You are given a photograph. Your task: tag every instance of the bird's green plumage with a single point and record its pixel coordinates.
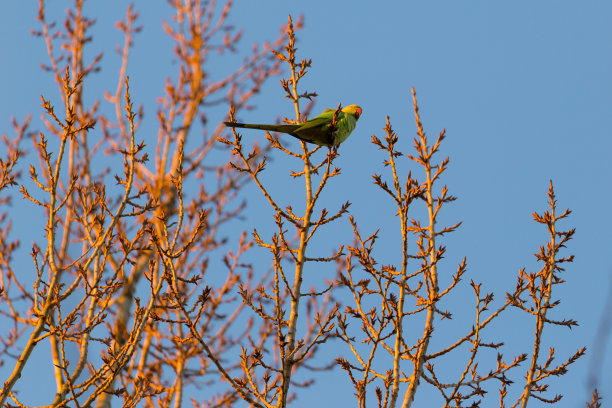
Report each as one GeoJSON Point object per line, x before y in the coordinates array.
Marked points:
{"type": "Point", "coordinates": [318, 130]}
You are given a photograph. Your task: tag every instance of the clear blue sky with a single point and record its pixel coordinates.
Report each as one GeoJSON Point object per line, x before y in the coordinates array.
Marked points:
{"type": "Point", "coordinates": [523, 89]}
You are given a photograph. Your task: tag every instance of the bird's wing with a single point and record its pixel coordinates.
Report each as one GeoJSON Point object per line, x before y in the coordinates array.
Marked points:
{"type": "Point", "coordinates": [323, 119]}
{"type": "Point", "coordinates": [317, 130]}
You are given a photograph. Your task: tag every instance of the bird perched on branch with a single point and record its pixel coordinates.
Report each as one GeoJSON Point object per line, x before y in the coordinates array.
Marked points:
{"type": "Point", "coordinates": [330, 128]}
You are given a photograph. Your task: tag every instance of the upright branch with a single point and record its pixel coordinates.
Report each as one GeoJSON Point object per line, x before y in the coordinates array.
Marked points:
{"type": "Point", "coordinates": [428, 252]}
{"type": "Point", "coordinates": [393, 283]}
{"type": "Point", "coordinates": [294, 348]}
{"type": "Point", "coordinates": [539, 287]}
{"type": "Point", "coordinates": [595, 400]}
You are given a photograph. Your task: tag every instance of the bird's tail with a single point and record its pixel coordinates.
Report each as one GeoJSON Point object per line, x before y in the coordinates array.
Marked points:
{"type": "Point", "coordinates": [272, 128]}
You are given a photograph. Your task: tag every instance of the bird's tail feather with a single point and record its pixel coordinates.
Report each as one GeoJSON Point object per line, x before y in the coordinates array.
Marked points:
{"type": "Point", "coordinates": [272, 128]}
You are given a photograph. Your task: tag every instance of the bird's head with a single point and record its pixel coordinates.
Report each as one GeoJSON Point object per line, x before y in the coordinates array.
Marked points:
{"type": "Point", "coordinates": [354, 110]}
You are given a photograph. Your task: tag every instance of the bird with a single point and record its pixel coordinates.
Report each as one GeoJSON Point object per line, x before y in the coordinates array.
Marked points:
{"type": "Point", "coordinates": [320, 130]}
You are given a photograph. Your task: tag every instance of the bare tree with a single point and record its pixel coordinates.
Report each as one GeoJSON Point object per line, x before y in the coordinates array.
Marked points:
{"type": "Point", "coordinates": [139, 285]}
{"type": "Point", "coordinates": [268, 375]}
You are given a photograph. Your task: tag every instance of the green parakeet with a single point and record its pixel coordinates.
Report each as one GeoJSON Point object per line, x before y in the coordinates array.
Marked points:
{"type": "Point", "coordinates": [318, 130]}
